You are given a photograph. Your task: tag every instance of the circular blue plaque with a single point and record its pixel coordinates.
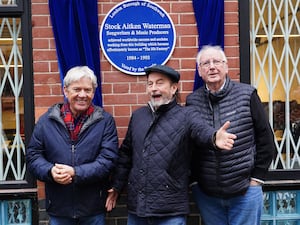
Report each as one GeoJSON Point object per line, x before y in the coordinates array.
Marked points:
{"type": "Point", "coordinates": [137, 34]}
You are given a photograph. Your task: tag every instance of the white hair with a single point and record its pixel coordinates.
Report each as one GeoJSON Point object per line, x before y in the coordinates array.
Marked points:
{"type": "Point", "coordinates": [78, 72]}
{"type": "Point", "coordinates": [208, 47]}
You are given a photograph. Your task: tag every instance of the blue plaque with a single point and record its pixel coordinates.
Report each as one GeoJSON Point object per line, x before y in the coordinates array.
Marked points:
{"type": "Point", "coordinates": [137, 34]}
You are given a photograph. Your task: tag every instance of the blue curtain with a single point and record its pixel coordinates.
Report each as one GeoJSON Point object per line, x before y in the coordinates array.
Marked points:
{"type": "Point", "coordinates": [209, 16]}
{"type": "Point", "coordinates": [75, 28]}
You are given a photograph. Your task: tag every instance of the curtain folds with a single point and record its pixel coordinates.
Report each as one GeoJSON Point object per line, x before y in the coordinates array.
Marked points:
{"type": "Point", "coordinates": [75, 28]}
{"type": "Point", "coordinates": [209, 16]}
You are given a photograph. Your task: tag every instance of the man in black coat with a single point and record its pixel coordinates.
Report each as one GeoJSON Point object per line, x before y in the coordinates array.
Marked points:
{"type": "Point", "coordinates": [155, 154]}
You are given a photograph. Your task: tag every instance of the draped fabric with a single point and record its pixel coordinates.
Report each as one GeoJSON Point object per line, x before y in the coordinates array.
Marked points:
{"type": "Point", "coordinates": [209, 16]}
{"type": "Point", "coordinates": [75, 28]}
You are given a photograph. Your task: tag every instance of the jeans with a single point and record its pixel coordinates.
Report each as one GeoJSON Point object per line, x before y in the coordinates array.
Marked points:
{"type": "Point", "coordinates": [165, 220]}
{"type": "Point", "coordinates": [241, 210]}
{"type": "Point", "coordinates": [89, 220]}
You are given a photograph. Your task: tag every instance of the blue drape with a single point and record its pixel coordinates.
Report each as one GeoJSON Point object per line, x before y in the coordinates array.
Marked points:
{"type": "Point", "coordinates": [209, 16]}
{"type": "Point", "coordinates": [75, 28]}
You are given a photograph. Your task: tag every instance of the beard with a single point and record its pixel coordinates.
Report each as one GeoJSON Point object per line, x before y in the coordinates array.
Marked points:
{"type": "Point", "coordinates": [161, 101]}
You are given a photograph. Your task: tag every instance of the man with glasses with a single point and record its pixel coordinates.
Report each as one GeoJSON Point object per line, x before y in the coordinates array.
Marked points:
{"type": "Point", "coordinates": [227, 185]}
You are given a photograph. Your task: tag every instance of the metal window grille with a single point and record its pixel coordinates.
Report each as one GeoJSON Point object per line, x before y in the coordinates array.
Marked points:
{"type": "Point", "coordinates": [275, 42]}
{"type": "Point", "coordinates": [12, 151]}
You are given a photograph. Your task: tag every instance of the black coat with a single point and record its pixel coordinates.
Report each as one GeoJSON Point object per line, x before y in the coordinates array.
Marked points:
{"type": "Point", "coordinates": [155, 159]}
{"type": "Point", "coordinates": [227, 173]}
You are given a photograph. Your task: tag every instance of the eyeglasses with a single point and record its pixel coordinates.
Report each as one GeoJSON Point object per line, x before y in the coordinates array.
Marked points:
{"type": "Point", "coordinates": [215, 62]}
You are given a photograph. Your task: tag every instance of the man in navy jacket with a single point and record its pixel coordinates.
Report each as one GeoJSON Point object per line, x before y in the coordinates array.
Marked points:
{"type": "Point", "coordinates": [73, 150]}
{"type": "Point", "coordinates": [155, 154]}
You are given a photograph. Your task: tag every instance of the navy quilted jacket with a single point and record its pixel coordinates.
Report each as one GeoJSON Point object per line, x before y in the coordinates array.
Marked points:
{"type": "Point", "coordinates": [93, 156]}
{"type": "Point", "coordinates": [155, 159]}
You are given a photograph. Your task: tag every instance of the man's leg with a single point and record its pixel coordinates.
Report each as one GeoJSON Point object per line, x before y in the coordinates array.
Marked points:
{"type": "Point", "coordinates": [167, 220]}
{"type": "Point", "coordinates": [93, 220]}
{"type": "Point", "coordinates": [213, 211]}
{"type": "Point", "coordinates": [247, 209]}
{"type": "Point", "coordinates": [170, 220]}
{"type": "Point", "coordinates": [56, 220]}
{"type": "Point", "coordinates": [135, 220]}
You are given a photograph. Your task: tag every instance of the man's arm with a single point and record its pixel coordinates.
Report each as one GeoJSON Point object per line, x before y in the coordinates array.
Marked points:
{"type": "Point", "coordinates": [202, 133]}
{"type": "Point", "coordinates": [264, 138]}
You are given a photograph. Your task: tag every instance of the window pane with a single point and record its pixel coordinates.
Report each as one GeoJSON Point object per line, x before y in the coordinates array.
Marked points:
{"type": "Point", "coordinates": [17, 211]}
{"type": "Point", "coordinates": [281, 207]}
{"type": "Point", "coordinates": [275, 55]}
{"type": "Point", "coordinates": [12, 164]}
{"type": "Point", "coordinates": [7, 2]}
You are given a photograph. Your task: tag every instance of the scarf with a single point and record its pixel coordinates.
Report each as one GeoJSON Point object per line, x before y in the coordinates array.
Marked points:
{"type": "Point", "coordinates": [74, 125]}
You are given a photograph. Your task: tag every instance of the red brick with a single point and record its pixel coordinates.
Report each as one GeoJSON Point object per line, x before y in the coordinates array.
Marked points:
{"type": "Point", "coordinates": [44, 55]}
{"type": "Point", "coordinates": [120, 99]}
{"type": "Point", "coordinates": [231, 6]}
{"type": "Point", "coordinates": [121, 88]}
{"type": "Point", "coordinates": [122, 121]}
{"type": "Point", "coordinates": [40, 90]}
{"type": "Point", "coordinates": [182, 7]}
{"type": "Point", "coordinates": [41, 66]}
{"type": "Point", "coordinates": [187, 19]}
{"type": "Point", "coordinates": [42, 32]}
{"type": "Point", "coordinates": [40, 9]}
{"type": "Point", "coordinates": [40, 20]}
{"type": "Point", "coordinates": [122, 111]}
{"type": "Point", "coordinates": [138, 87]}
{"type": "Point", "coordinates": [189, 41]}
{"type": "Point", "coordinates": [47, 102]}
{"type": "Point", "coordinates": [40, 43]}
{"type": "Point", "coordinates": [46, 79]}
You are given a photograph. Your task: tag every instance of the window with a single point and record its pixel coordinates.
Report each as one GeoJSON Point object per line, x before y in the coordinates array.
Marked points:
{"type": "Point", "coordinates": [274, 66]}
{"type": "Point", "coordinates": [273, 62]}
{"type": "Point", "coordinates": [15, 91]}
{"type": "Point", "coordinates": [12, 164]}
{"type": "Point", "coordinates": [11, 7]}
{"type": "Point", "coordinates": [8, 2]}
{"type": "Point", "coordinates": [281, 208]}
{"type": "Point", "coordinates": [269, 50]}
{"type": "Point", "coordinates": [17, 211]}
{"type": "Point", "coordinates": [18, 198]}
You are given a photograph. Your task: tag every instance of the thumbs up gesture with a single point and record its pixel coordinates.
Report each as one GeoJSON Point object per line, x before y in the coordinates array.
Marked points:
{"type": "Point", "coordinates": [225, 140]}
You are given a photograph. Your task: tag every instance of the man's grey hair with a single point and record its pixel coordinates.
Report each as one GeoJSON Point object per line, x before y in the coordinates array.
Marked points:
{"type": "Point", "coordinates": [207, 47]}
{"type": "Point", "coordinates": [78, 72]}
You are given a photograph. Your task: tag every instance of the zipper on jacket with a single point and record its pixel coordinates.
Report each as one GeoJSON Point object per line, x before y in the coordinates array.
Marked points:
{"type": "Point", "coordinates": [73, 187]}
{"type": "Point", "coordinates": [72, 154]}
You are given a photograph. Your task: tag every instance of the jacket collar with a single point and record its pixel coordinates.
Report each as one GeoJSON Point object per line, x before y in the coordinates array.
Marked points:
{"type": "Point", "coordinates": [163, 108]}
{"type": "Point", "coordinates": [216, 96]}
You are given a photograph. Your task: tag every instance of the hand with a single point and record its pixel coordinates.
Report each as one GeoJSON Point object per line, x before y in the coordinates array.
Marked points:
{"type": "Point", "coordinates": [111, 199]}
{"type": "Point", "coordinates": [225, 140]}
{"type": "Point", "coordinates": [255, 183]}
{"type": "Point", "coordinates": [62, 174]}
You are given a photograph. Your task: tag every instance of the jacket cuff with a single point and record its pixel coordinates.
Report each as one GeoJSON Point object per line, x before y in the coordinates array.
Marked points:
{"type": "Point", "coordinates": [214, 138]}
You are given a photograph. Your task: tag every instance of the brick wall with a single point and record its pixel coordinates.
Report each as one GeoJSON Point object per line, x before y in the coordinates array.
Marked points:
{"type": "Point", "coordinates": [122, 93]}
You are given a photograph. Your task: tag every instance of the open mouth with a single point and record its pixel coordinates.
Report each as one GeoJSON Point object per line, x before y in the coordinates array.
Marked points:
{"type": "Point", "coordinates": [156, 96]}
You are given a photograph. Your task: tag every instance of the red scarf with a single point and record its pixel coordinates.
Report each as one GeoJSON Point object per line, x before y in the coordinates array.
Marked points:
{"type": "Point", "coordinates": [74, 124]}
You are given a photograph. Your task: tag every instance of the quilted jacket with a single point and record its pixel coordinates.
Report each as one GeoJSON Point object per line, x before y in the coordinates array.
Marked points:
{"type": "Point", "coordinates": [155, 159]}
{"type": "Point", "coordinates": [227, 174]}
{"type": "Point", "coordinates": [93, 156]}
